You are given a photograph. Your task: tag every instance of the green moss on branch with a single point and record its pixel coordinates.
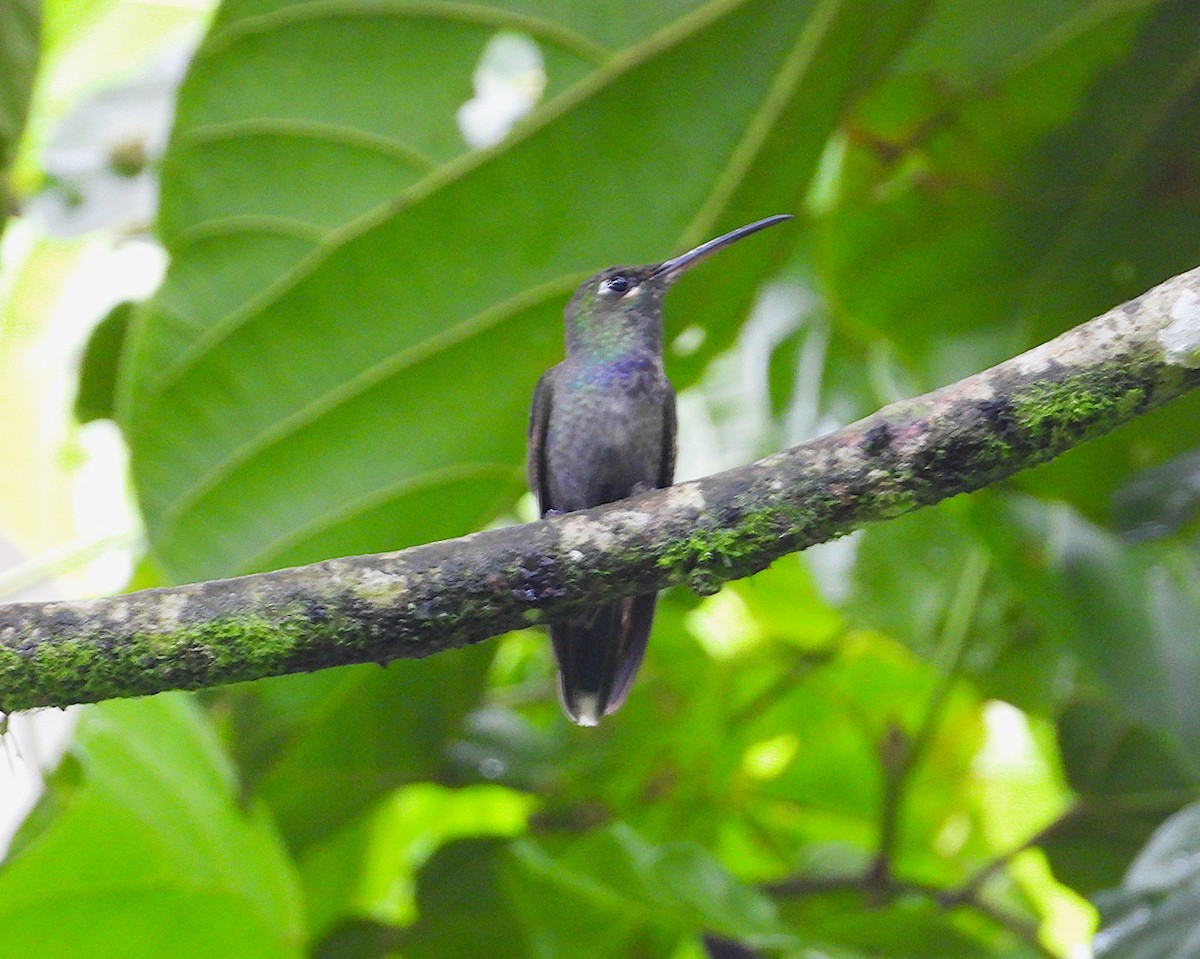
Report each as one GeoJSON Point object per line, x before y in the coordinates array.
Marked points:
{"type": "Point", "coordinates": [420, 601]}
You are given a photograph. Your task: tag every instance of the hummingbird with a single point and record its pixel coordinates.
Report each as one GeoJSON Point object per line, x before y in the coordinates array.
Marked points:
{"type": "Point", "coordinates": [603, 428]}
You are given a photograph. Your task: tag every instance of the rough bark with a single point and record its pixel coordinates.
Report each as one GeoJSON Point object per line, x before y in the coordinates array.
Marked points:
{"type": "Point", "coordinates": [423, 600]}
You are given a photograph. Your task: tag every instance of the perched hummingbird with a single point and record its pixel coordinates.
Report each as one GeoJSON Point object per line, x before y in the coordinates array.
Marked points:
{"type": "Point", "coordinates": [603, 428]}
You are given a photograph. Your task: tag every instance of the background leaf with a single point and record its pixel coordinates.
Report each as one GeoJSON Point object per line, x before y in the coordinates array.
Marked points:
{"type": "Point", "coordinates": [606, 894]}
{"type": "Point", "coordinates": [301, 742]}
{"type": "Point", "coordinates": [1154, 913]}
{"type": "Point", "coordinates": [96, 397]}
{"type": "Point", "coordinates": [1036, 184]}
{"type": "Point", "coordinates": [150, 850]}
{"type": "Point", "coordinates": [1126, 779]}
{"type": "Point", "coordinates": [20, 23]}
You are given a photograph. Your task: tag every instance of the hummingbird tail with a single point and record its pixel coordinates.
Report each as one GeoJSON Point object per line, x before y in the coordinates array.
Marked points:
{"type": "Point", "coordinates": [598, 655]}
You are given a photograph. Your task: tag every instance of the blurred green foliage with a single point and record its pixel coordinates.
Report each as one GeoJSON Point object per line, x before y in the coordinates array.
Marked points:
{"type": "Point", "coordinates": [20, 26]}
{"type": "Point", "coordinates": [816, 761]}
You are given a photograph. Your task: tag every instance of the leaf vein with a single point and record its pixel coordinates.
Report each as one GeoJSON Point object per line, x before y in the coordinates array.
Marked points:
{"type": "Point", "coordinates": [355, 386]}
{"type": "Point", "coordinates": [546, 30]}
{"type": "Point", "coordinates": [310, 130]}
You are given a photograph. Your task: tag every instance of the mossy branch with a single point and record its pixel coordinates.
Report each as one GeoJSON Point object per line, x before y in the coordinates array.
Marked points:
{"type": "Point", "coordinates": [423, 600]}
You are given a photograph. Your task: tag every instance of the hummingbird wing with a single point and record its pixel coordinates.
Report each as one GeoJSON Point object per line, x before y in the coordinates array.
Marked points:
{"type": "Point", "coordinates": [636, 614]}
{"type": "Point", "coordinates": [666, 472]}
{"type": "Point", "coordinates": [539, 422]}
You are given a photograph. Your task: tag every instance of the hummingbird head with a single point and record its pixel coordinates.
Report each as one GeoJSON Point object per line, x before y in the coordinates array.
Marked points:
{"type": "Point", "coordinates": [621, 306]}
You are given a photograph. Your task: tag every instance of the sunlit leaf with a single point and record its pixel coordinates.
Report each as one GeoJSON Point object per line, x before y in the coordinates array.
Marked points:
{"type": "Point", "coordinates": [367, 870]}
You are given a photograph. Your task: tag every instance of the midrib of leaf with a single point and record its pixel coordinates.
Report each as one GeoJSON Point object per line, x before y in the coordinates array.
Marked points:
{"type": "Point", "coordinates": [1096, 199]}
{"type": "Point", "coordinates": [791, 75]}
{"type": "Point", "coordinates": [346, 391]}
{"type": "Point", "coordinates": [549, 31]}
{"type": "Point", "coordinates": [616, 67]}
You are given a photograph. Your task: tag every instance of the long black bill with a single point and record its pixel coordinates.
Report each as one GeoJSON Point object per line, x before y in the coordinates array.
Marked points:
{"type": "Point", "coordinates": [674, 268]}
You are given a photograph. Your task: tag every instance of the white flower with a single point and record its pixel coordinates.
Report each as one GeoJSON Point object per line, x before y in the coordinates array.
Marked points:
{"type": "Point", "coordinates": [509, 82]}
{"type": "Point", "coordinates": [100, 161]}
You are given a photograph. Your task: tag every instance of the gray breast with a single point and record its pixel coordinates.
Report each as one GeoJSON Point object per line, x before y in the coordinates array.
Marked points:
{"type": "Point", "coordinates": [606, 440]}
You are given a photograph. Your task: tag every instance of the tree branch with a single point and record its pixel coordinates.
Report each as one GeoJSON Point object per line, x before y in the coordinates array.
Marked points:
{"type": "Point", "coordinates": [879, 890]}
{"type": "Point", "coordinates": [431, 598]}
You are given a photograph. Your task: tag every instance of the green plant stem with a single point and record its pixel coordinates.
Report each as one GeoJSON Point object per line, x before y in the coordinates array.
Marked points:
{"type": "Point", "coordinates": [898, 769]}
{"type": "Point", "coordinates": [430, 598]}
{"type": "Point", "coordinates": [868, 883]}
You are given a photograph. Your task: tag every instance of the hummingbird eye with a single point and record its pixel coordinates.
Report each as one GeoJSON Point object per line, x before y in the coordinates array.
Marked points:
{"type": "Point", "coordinates": [617, 284]}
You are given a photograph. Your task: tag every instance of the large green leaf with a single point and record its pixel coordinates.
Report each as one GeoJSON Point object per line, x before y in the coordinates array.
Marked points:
{"type": "Point", "coordinates": [606, 888]}
{"type": "Point", "coordinates": [605, 895]}
{"type": "Point", "coordinates": [20, 22]}
{"type": "Point", "coordinates": [342, 356]}
{"type": "Point", "coordinates": [151, 854]}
